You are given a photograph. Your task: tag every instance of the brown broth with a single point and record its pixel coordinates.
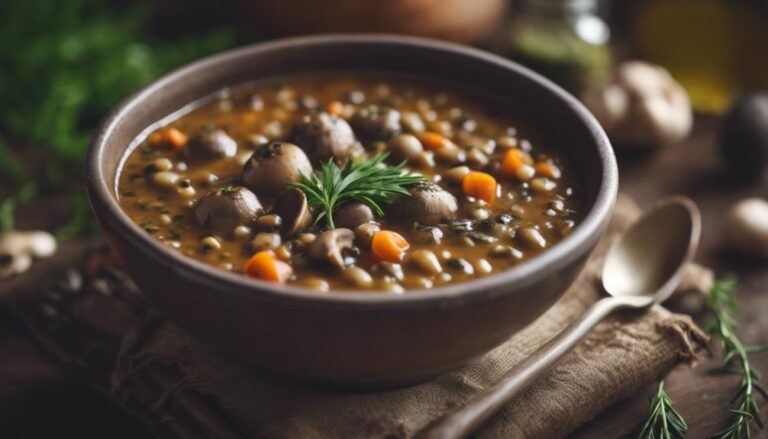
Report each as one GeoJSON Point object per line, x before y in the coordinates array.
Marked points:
{"type": "Point", "coordinates": [251, 114]}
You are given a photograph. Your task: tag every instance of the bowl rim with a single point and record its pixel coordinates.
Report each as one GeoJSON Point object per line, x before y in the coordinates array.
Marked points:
{"type": "Point", "coordinates": [545, 264]}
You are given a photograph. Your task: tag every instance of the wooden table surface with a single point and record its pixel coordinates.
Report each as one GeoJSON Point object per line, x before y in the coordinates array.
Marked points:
{"type": "Point", "coordinates": [693, 169]}
{"type": "Point", "coordinates": [39, 399]}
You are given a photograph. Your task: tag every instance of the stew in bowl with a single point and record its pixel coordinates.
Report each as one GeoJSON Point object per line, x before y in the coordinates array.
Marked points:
{"type": "Point", "coordinates": [344, 181]}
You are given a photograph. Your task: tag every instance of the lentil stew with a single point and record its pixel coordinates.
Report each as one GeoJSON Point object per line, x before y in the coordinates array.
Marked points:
{"type": "Point", "coordinates": [338, 182]}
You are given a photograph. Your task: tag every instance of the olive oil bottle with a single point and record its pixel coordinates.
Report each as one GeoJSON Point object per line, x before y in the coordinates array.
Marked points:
{"type": "Point", "coordinates": [717, 49]}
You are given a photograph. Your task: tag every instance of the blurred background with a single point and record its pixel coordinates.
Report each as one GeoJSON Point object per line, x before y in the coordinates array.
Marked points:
{"type": "Point", "coordinates": [65, 63]}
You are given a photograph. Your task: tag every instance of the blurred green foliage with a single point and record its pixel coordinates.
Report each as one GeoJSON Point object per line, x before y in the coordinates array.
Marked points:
{"type": "Point", "coordinates": [63, 65]}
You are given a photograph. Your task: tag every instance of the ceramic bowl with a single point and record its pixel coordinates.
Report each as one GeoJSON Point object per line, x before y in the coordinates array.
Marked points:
{"type": "Point", "coordinates": [354, 338]}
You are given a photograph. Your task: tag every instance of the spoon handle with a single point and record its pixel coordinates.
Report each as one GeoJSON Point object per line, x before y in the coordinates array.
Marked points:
{"type": "Point", "coordinates": [481, 407]}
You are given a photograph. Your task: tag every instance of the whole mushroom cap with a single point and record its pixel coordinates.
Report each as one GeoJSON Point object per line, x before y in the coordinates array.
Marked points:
{"type": "Point", "coordinates": [223, 209]}
{"type": "Point", "coordinates": [273, 166]}
{"type": "Point", "coordinates": [641, 105]}
{"type": "Point", "coordinates": [324, 136]}
{"type": "Point", "coordinates": [405, 147]}
{"type": "Point", "coordinates": [746, 227]}
{"type": "Point", "coordinates": [211, 144]}
{"type": "Point", "coordinates": [352, 215]}
{"type": "Point", "coordinates": [429, 204]}
{"type": "Point", "coordinates": [376, 123]}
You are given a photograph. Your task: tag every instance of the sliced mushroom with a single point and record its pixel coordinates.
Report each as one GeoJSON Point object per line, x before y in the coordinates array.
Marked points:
{"type": "Point", "coordinates": [212, 144]}
{"type": "Point", "coordinates": [273, 166]}
{"type": "Point", "coordinates": [352, 215]}
{"type": "Point", "coordinates": [330, 246]}
{"type": "Point", "coordinates": [293, 208]}
{"type": "Point", "coordinates": [222, 210]}
{"type": "Point", "coordinates": [375, 123]}
{"type": "Point", "coordinates": [429, 204]}
{"type": "Point", "coordinates": [428, 235]}
{"type": "Point", "coordinates": [324, 136]}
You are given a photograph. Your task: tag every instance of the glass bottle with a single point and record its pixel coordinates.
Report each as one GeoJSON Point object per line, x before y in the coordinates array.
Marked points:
{"type": "Point", "coordinates": [565, 40]}
{"type": "Point", "coordinates": [717, 49]}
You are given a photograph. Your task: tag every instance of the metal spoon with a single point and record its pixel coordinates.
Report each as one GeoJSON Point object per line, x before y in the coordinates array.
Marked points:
{"type": "Point", "coordinates": [642, 268]}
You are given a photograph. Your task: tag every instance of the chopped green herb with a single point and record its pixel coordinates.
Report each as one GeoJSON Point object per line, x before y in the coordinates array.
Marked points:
{"type": "Point", "coordinates": [228, 189]}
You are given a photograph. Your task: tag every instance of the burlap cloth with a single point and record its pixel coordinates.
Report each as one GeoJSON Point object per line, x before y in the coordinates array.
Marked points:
{"type": "Point", "coordinates": [188, 389]}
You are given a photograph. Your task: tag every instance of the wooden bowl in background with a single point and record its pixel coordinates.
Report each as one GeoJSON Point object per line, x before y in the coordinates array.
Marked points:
{"type": "Point", "coordinates": [462, 21]}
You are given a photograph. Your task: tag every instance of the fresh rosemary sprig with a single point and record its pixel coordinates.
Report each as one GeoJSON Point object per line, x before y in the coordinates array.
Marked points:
{"type": "Point", "coordinates": [368, 181]}
{"type": "Point", "coordinates": [663, 421]}
{"type": "Point", "coordinates": [736, 358]}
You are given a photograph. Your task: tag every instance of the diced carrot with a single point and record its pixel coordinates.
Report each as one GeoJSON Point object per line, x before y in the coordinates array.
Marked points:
{"type": "Point", "coordinates": [249, 117]}
{"type": "Point", "coordinates": [265, 266]}
{"type": "Point", "coordinates": [156, 138]}
{"type": "Point", "coordinates": [432, 140]}
{"type": "Point", "coordinates": [335, 108]}
{"type": "Point", "coordinates": [389, 246]}
{"type": "Point", "coordinates": [548, 169]}
{"type": "Point", "coordinates": [480, 185]}
{"type": "Point", "coordinates": [513, 159]}
{"type": "Point", "coordinates": [175, 138]}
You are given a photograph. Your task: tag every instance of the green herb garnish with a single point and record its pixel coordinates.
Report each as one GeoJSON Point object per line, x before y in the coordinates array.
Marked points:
{"type": "Point", "coordinates": [228, 190]}
{"type": "Point", "coordinates": [735, 359]}
{"type": "Point", "coordinates": [367, 181]}
{"type": "Point", "coordinates": [664, 422]}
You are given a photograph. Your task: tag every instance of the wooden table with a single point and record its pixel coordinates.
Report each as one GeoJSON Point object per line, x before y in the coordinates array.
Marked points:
{"type": "Point", "coordinates": [693, 169]}
{"type": "Point", "coordinates": [40, 399]}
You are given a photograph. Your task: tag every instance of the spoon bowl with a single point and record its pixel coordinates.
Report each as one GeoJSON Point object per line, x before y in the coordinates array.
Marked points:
{"type": "Point", "coordinates": [649, 259]}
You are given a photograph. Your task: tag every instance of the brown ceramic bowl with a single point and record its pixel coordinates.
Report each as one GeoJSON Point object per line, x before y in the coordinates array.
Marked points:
{"type": "Point", "coordinates": [353, 338]}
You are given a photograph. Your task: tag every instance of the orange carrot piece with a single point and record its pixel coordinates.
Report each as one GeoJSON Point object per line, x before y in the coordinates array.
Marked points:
{"type": "Point", "coordinates": [547, 169]}
{"type": "Point", "coordinates": [389, 246]}
{"type": "Point", "coordinates": [249, 117]}
{"type": "Point", "coordinates": [513, 159]}
{"type": "Point", "coordinates": [265, 266]}
{"type": "Point", "coordinates": [433, 140]}
{"type": "Point", "coordinates": [157, 138]}
{"type": "Point", "coordinates": [175, 138]}
{"type": "Point", "coordinates": [480, 185]}
{"type": "Point", "coordinates": [335, 108]}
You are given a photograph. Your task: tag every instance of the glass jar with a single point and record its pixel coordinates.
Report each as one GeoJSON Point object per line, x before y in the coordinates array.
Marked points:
{"type": "Point", "coordinates": [564, 40]}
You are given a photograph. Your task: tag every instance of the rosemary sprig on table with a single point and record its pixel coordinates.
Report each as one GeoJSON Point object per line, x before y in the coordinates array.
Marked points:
{"type": "Point", "coordinates": [663, 421]}
{"type": "Point", "coordinates": [368, 181]}
{"type": "Point", "coordinates": [736, 358]}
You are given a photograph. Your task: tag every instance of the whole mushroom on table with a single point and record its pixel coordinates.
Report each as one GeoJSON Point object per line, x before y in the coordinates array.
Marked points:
{"type": "Point", "coordinates": [744, 137]}
{"type": "Point", "coordinates": [746, 228]}
{"type": "Point", "coordinates": [641, 106]}
{"type": "Point", "coordinates": [18, 249]}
